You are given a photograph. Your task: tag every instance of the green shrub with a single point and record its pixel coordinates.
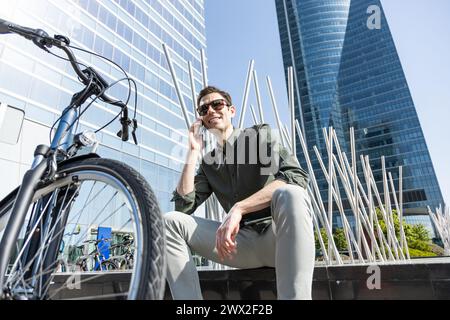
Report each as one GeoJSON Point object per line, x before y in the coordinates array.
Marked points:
{"type": "Point", "coordinates": [419, 253]}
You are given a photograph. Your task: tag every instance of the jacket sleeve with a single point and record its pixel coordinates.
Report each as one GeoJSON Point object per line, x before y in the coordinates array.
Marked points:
{"type": "Point", "coordinates": [191, 201]}
{"type": "Point", "coordinates": [287, 167]}
{"type": "Point", "coordinates": [289, 170]}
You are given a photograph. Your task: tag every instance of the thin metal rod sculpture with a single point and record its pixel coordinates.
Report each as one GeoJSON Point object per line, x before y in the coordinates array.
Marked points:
{"type": "Point", "coordinates": [204, 70]}
{"type": "Point", "coordinates": [340, 176]}
{"type": "Point", "coordinates": [258, 96]}
{"type": "Point", "coordinates": [246, 92]}
{"type": "Point", "coordinates": [255, 119]}
{"type": "Point", "coordinates": [275, 111]}
{"type": "Point", "coordinates": [177, 86]}
{"type": "Point", "coordinates": [194, 94]}
{"type": "Point", "coordinates": [320, 206]}
{"type": "Point", "coordinates": [292, 109]}
{"type": "Point", "coordinates": [441, 221]}
{"type": "Point", "coordinates": [287, 138]}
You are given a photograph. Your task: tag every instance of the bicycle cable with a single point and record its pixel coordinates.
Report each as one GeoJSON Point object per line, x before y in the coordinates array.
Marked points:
{"type": "Point", "coordinates": [127, 78]}
{"type": "Point", "coordinates": [130, 80]}
{"type": "Point", "coordinates": [91, 103]}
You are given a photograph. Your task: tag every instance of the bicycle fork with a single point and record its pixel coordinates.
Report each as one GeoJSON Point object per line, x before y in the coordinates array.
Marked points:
{"type": "Point", "coordinates": [30, 181]}
{"type": "Point", "coordinates": [18, 214]}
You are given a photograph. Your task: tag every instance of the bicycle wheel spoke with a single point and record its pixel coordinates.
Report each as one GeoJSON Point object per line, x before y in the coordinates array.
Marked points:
{"type": "Point", "coordinates": [98, 215]}
{"type": "Point", "coordinates": [42, 248]}
{"type": "Point", "coordinates": [48, 242]}
{"type": "Point", "coordinates": [84, 206]}
{"type": "Point", "coordinates": [50, 269]}
{"type": "Point", "coordinates": [29, 238]}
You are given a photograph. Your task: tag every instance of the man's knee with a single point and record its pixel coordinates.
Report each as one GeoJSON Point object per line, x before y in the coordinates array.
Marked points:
{"type": "Point", "coordinates": [289, 192]}
{"type": "Point", "coordinates": [291, 197]}
{"type": "Point", "coordinates": [174, 220]}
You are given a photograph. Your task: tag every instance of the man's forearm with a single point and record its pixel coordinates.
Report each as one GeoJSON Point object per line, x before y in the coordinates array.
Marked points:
{"type": "Point", "coordinates": [186, 183]}
{"type": "Point", "coordinates": [261, 199]}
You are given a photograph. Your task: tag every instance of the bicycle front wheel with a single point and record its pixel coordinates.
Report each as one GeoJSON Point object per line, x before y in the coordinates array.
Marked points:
{"type": "Point", "coordinates": [88, 196]}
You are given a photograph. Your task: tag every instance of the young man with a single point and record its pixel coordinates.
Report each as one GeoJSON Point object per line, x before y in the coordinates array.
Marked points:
{"type": "Point", "coordinates": [262, 189]}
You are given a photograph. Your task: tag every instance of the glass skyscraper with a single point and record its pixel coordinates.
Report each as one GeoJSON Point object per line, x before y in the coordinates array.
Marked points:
{"type": "Point", "coordinates": [349, 75]}
{"type": "Point", "coordinates": [130, 32]}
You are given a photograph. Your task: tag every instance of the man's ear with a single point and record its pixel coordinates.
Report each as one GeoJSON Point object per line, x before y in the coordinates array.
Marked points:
{"type": "Point", "coordinates": [233, 111]}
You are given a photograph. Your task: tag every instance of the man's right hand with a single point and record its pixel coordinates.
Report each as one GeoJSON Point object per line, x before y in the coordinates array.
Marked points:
{"type": "Point", "coordinates": [195, 137]}
{"type": "Point", "coordinates": [186, 183]}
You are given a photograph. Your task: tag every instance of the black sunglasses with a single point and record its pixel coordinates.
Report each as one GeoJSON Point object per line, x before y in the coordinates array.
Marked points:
{"type": "Point", "coordinates": [217, 105]}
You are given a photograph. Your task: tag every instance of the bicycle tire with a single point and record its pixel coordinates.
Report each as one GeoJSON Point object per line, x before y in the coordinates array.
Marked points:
{"type": "Point", "coordinates": [150, 282]}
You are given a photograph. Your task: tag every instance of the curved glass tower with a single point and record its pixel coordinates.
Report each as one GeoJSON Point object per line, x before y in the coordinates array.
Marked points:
{"type": "Point", "coordinates": [349, 75]}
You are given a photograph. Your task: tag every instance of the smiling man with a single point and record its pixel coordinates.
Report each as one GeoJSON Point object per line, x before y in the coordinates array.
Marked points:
{"type": "Point", "coordinates": [263, 190]}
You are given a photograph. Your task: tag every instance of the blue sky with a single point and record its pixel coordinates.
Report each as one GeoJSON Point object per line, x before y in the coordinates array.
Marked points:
{"type": "Point", "coordinates": [240, 30]}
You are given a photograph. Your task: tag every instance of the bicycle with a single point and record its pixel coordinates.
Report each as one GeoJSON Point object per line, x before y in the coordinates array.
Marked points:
{"type": "Point", "coordinates": [63, 191]}
{"type": "Point", "coordinates": [95, 260]}
{"type": "Point", "coordinates": [124, 260]}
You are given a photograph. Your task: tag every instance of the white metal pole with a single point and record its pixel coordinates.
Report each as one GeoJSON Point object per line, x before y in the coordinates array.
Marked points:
{"type": "Point", "coordinates": [287, 137]}
{"type": "Point", "coordinates": [394, 195]}
{"type": "Point", "coordinates": [346, 226]}
{"type": "Point", "coordinates": [255, 120]}
{"type": "Point", "coordinates": [369, 199]}
{"type": "Point", "coordinates": [347, 189]}
{"type": "Point", "coordinates": [204, 71]}
{"type": "Point", "coordinates": [355, 185]}
{"type": "Point", "coordinates": [194, 95]}
{"type": "Point", "coordinates": [177, 87]}
{"type": "Point", "coordinates": [400, 211]}
{"type": "Point", "coordinates": [275, 111]}
{"type": "Point", "coordinates": [292, 109]}
{"type": "Point", "coordinates": [351, 195]}
{"type": "Point", "coordinates": [319, 237]}
{"type": "Point", "coordinates": [390, 231]}
{"type": "Point", "coordinates": [338, 201]}
{"type": "Point", "coordinates": [291, 47]}
{"type": "Point", "coordinates": [381, 237]}
{"type": "Point", "coordinates": [383, 241]}
{"type": "Point", "coordinates": [387, 206]}
{"type": "Point", "coordinates": [330, 172]}
{"type": "Point", "coordinates": [258, 96]}
{"type": "Point", "coordinates": [246, 91]}
{"type": "Point", "coordinates": [321, 207]}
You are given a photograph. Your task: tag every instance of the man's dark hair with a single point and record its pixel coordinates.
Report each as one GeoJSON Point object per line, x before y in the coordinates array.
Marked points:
{"type": "Point", "coordinates": [211, 89]}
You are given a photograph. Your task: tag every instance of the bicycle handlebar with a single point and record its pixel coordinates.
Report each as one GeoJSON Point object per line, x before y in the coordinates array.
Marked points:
{"type": "Point", "coordinates": [44, 41]}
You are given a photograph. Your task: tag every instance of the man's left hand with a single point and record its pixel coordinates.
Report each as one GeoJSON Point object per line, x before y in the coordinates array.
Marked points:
{"type": "Point", "coordinates": [226, 234]}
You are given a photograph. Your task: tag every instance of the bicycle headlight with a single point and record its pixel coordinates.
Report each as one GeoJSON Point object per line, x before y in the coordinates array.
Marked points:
{"type": "Point", "coordinates": [86, 138]}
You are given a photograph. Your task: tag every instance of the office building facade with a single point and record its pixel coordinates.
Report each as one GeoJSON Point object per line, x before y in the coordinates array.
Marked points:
{"type": "Point", "coordinates": [129, 32]}
{"type": "Point", "coordinates": [349, 75]}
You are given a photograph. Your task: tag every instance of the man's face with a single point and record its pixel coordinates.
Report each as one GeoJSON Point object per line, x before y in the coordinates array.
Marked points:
{"type": "Point", "coordinates": [219, 119]}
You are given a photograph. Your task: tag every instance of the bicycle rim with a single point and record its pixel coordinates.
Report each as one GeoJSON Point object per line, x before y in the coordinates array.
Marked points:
{"type": "Point", "coordinates": [72, 209]}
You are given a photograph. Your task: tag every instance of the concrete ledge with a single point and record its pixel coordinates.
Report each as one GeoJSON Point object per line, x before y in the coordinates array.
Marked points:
{"type": "Point", "coordinates": [424, 279]}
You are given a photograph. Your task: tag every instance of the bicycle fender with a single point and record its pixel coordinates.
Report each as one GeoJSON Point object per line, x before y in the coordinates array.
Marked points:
{"type": "Point", "coordinates": [13, 193]}
{"type": "Point", "coordinates": [77, 158]}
